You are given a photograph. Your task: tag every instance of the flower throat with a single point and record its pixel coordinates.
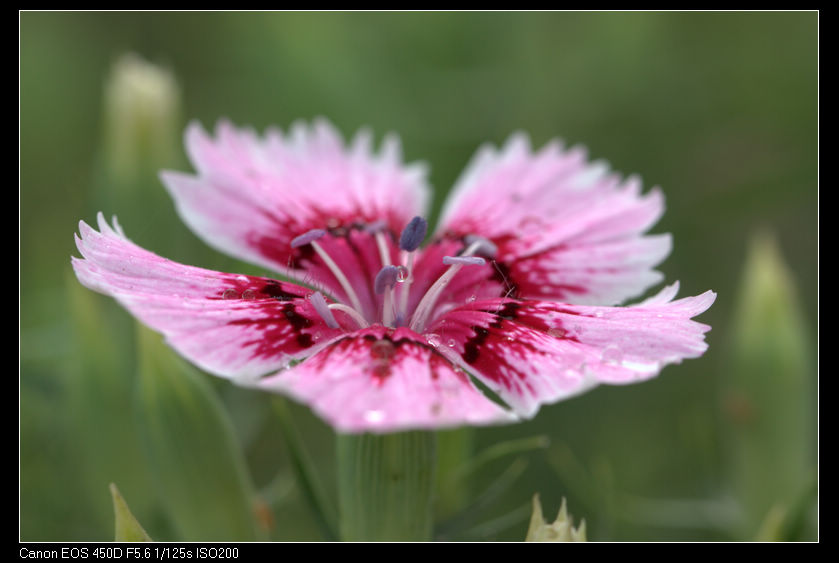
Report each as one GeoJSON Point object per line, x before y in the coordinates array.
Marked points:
{"type": "Point", "coordinates": [393, 282]}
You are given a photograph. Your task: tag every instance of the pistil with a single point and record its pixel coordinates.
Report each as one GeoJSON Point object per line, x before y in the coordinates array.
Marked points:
{"type": "Point", "coordinates": [426, 305]}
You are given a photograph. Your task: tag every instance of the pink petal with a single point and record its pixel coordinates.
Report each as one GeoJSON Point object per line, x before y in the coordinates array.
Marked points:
{"type": "Point", "coordinates": [566, 229]}
{"type": "Point", "coordinates": [230, 325]}
{"type": "Point", "coordinates": [533, 352]}
{"type": "Point", "coordinates": [380, 380]}
{"type": "Point", "coordinates": [252, 195]}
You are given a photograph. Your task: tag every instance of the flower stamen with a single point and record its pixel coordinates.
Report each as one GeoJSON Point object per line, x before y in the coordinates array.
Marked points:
{"type": "Point", "coordinates": [355, 315]}
{"type": "Point", "coordinates": [385, 281]}
{"type": "Point", "coordinates": [311, 237]}
{"type": "Point", "coordinates": [322, 307]}
{"type": "Point", "coordinates": [485, 246]}
{"type": "Point", "coordinates": [411, 238]}
{"type": "Point", "coordinates": [464, 260]}
{"type": "Point", "coordinates": [426, 304]}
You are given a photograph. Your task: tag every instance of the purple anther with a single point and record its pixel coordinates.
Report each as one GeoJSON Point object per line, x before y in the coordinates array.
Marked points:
{"type": "Point", "coordinates": [485, 246]}
{"type": "Point", "coordinates": [386, 278]}
{"type": "Point", "coordinates": [463, 260]}
{"type": "Point", "coordinates": [318, 301]}
{"type": "Point", "coordinates": [414, 234]}
{"type": "Point", "coordinates": [307, 237]}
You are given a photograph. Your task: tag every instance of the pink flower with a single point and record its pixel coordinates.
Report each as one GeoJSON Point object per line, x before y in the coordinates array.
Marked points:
{"type": "Point", "coordinates": [516, 287]}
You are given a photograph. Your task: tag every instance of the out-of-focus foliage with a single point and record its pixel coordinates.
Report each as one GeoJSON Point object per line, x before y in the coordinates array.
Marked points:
{"type": "Point", "coordinates": [769, 397]}
{"type": "Point", "coordinates": [126, 527]}
{"type": "Point", "coordinates": [719, 109]}
{"type": "Point", "coordinates": [195, 461]}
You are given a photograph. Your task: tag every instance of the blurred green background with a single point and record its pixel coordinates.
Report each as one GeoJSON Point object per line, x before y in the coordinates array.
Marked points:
{"type": "Point", "coordinates": [719, 109]}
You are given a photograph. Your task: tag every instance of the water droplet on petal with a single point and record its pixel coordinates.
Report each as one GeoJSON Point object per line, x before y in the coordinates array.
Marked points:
{"type": "Point", "coordinates": [556, 332]}
{"type": "Point", "coordinates": [510, 338]}
{"type": "Point", "coordinates": [612, 354]}
{"type": "Point", "coordinates": [333, 223]}
{"type": "Point", "coordinates": [249, 294]}
{"type": "Point", "coordinates": [598, 314]}
{"type": "Point", "coordinates": [451, 342]}
{"type": "Point", "coordinates": [530, 224]}
{"type": "Point", "coordinates": [471, 298]}
{"type": "Point", "coordinates": [316, 336]}
{"type": "Point", "coordinates": [433, 339]}
{"type": "Point", "coordinates": [230, 294]}
{"type": "Point", "coordinates": [374, 416]}
{"type": "Point", "coordinates": [401, 274]}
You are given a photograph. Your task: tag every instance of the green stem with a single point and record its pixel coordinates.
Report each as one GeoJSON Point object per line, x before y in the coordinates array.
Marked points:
{"type": "Point", "coordinates": [385, 486]}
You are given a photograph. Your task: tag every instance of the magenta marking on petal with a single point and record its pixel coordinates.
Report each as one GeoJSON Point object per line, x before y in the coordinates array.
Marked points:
{"type": "Point", "coordinates": [304, 339]}
{"type": "Point", "coordinates": [275, 290]}
{"type": "Point", "coordinates": [307, 237]}
{"type": "Point", "coordinates": [472, 348]}
{"type": "Point", "coordinates": [501, 274]}
{"type": "Point", "coordinates": [273, 338]}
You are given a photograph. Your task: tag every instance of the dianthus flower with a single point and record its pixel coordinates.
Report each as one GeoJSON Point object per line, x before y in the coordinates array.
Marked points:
{"type": "Point", "coordinates": [517, 287]}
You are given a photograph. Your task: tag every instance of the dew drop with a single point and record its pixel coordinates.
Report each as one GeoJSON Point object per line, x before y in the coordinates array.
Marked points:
{"type": "Point", "coordinates": [230, 294]}
{"type": "Point", "coordinates": [316, 336]}
{"type": "Point", "coordinates": [374, 416]}
{"type": "Point", "coordinates": [242, 279]}
{"type": "Point", "coordinates": [333, 223]}
{"type": "Point", "coordinates": [433, 339]}
{"type": "Point", "coordinates": [530, 224]}
{"type": "Point", "coordinates": [401, 274]}
{"type": "Point", "coordinates": [556, 332]}
{"type": "Point", "coordinates": [249, 294]}
{"type": "Point", "coordinates": [451, 342]}
{"type": "Point", "coordinates": [598, 314]}
{"type": "Point", "coordinates": [612, 354]}
{"type": "Point", "coordinates": [471, 298]}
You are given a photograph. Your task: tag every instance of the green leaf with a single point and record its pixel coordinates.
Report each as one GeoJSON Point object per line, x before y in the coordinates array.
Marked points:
{"type": "Point", "coordinates": [769, 392]}
{"type": "Point", "coordinates": [305, 473]}
{"type": "Point", "coordinates": [100, 393]}
{"type": "Point", "coordinates": [126, 527]}
{"type": "Point", "coordinates": [196, 461]}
